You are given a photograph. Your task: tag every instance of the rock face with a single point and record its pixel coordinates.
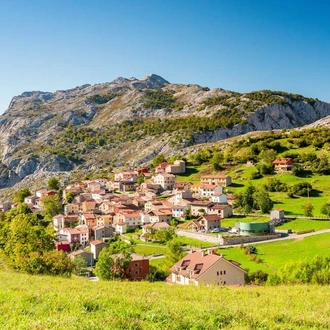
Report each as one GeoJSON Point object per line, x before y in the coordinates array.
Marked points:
{"type": "Point", "coordinates": [35, 130]}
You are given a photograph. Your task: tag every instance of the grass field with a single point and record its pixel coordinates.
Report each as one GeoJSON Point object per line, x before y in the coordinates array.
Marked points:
{"type": "Point", "coordinates": [149, 250]}
{"type": "Point", "coordinates": [43, 303]}
{"type": "Point", "coordinates": [275, 254]}
{"type": "Point", "coordinates": [292, 206]}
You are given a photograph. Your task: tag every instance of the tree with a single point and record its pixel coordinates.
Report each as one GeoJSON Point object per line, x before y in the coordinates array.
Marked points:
{"type": "Point", "coordinates": [53, 183]}
{"type": "Point", "coordinates": [79, 264]}
{"type": "Point", "coordinates": [69, 197]}
{"type": "Point", "coordinates": [262, 201]}
{"type": "Point", "coordinates": [51, 206]}
{"type": "Point", "coordinates": [325, 209]}
{"type": "Point", "coordinates": [113, 261]}
{"type": "Point", "coordinates": [158, 160]}
{"type": "Point", "coordinates": [140, 179]}
{"type": "Point", "coordinates": [308, 209]}
{"type": "Point", "coordinates": [174, 252]}
{"type": "Point", "coordinates": [217, 160]}
{"type": "Point", "coordinates": [21, 194]}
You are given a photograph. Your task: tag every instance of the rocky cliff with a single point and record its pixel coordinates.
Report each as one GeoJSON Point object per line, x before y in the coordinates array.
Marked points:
{"type": "Point", "coordinates": [131, 120]}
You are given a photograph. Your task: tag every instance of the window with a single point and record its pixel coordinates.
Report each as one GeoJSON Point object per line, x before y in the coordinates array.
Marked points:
{"type": "Point", "coordinates": [220, 272]}
{"type": "Point", "coordinates": [218, 275]}
{"type": "Point", "coordinates": [136, 264]}
{"type": "Point", "coordinates": [136, 272]}
{"type": "Point", "coordinates": [224, 272]}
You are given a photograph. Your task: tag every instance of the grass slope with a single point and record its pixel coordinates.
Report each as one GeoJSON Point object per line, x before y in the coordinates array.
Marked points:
{"type": "Point", "coordinates": [275, 254]}
{"type": "Point", "coordinates": [53, 303]}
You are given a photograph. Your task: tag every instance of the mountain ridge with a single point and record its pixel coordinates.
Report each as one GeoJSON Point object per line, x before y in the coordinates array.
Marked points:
{"type": "Point", "coordinates": [130, 120]}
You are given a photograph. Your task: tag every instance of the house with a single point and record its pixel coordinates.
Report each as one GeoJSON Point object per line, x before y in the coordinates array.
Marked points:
{"type": "Point", "coordinates": [219, 198]}
{"type": "Point", "coordinates": [155, 226]}
{"type": "Point", "coordinates": [208, 190]}
{"type": "Point", "coordinates": [30, 199]}
{"type": "Point", "coordinates": [165, 180]}
{"type": "Point", "coordinates": [283, 164]}
{"type": "Point", "coordinates": [100, 232]}
{"type": "Point", "coordinates": [71, 208]}
{"type": "Point", "coordinates": [96, 247]}
{"type": "Point", "coordinates": [277, 214]}
{"type": "Point", "coordinates": [120, 228]}
{"type": "Point", "coordinates": [87, 256]}
{"type": "Point", "coordinates": [161, 215]}
{"type": "Point", "coordinates": [206, 268]}
{"type": "Point", "coordinates": [131, 176]}
{"type": "Point", "coordinates": [198, 208]}
{"type": "Point", "coordinates": [138, 268]}
{"type": "Point", "coordinates": [63, 246]}
{"type": "Point", "coordinates": [62, 221]}
{"type": "Point", "coordinates": [88, 219]}
{"type": "Point", "coordinates": [178, 167]}
{"type": "Point", "coordinates": [223, 210]}
{"type": "Point", "coordinates": [5, 206]}
{"type": "Point", "coordinates": [131, 219]}
{"type": "Point", "coordinates": [44, 192]}
{"type": "Point", "coordinates": [221, 180]}
{"type": "Point", "coordinates": [78, 235]}
{"type": "Point", "coordinates": [209, 222]}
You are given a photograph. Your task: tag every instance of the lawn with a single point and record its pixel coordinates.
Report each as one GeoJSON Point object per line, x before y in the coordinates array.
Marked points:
{"type": "Point", "coordinates": [275, 254]}
{"type": "Point", "coordinates": [40, 302]}
{"type": "Point", "coordinates": [305, 224]}
{"type": "Point", "coordinates": [292, 206]}
{"type": "Point", "coordinates": [149, 249]}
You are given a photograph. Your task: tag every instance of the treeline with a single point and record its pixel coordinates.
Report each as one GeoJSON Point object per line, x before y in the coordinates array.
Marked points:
{"type": "Point", "coordinates": [28, 243]}
{"type": "Point", "coordinates": [100, 99]}
{"type": "Point", "coordinates": [312, 271]}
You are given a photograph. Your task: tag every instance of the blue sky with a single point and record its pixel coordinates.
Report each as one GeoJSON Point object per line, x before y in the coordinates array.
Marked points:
{"type": "Point", "coordinates": [240, 45]}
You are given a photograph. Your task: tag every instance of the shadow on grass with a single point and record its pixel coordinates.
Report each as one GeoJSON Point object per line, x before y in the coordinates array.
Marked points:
{"type": "Point", "coordinates": [236, 185]}
{"type": "Point", "coordinates": [189, 171]}
{"type": "Point", "coordinates": [315, 193]}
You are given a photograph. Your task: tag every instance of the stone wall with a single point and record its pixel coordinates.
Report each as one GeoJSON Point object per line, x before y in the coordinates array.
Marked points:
{"type": "Point", "coordinates": [202, 237]}
{"type": "Point", "coordinates": [221, 240]}
{"type": "Point", "coordinates": [246, 239]}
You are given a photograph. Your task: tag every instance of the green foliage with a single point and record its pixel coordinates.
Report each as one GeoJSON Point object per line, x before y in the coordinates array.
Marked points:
{"type": "Point", "coordinates": [51, 206]}
{"type": "Point", "coordinates": [174, 252]}
{"type": "Point", "coordinates": [156, 274]}
{"type": "Point", "coordinates": [113, 261]}
{"type": "Point", "coordinates": [79, 265]}
{"type": "Point", "coordinates": [100, 99]}
{"type": "Point", "coordinates": [262, 201]}
{"type": "Point", "coordinates": [53, 183]}
{"type": "Point", "coordinates": [325, 209]}
{"type": "Point", "coordinates": [30, 246]}
{"type": "Point", "coordinates": [69, 197]}
{"type": "Point", "coordinates": [258, 277]}
{"type": "Point", "coordinates": [274, 184]}
{"type": "Point", "coordinates": [308, 209]}
{"type": "Point", "coordinates": [159, 99]}
{"type": "Point", "coordinates": [314, 271]}
{"type": "Point", "coordinates": [21, 194]}
{"type": "Point", "coordinates": [160, 158]}
{"type": "Point", "coordinates": [301, 189]}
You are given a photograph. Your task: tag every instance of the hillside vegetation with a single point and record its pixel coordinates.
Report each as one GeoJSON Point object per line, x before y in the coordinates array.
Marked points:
{"type": "Point", "coordinates": [37, 302]}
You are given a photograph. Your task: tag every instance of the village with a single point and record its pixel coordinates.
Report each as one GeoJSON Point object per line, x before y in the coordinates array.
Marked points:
{"type": "Point", "coordinates": [95, 211]}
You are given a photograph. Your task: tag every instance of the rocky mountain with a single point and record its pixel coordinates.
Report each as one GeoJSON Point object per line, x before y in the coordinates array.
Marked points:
{"type": "Point", "coordinates": [131, 120]}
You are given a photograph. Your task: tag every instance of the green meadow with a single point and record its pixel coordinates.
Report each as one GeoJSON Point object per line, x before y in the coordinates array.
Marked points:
{"type": "Point", "coordinates": [39, 302]}
{"type": "Point", "coordinates": [275, 254]}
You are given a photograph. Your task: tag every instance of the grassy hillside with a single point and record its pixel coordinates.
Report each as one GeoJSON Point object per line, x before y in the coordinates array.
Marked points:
{"type": "Point", "coordinates": [274, 255]}
{"type": "Point", "coordinates": [53, 303]}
